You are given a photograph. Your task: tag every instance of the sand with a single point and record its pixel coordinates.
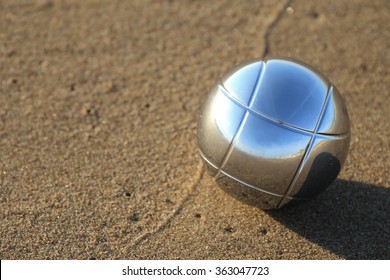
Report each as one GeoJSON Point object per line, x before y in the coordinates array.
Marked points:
{"type": "Point", "coordinates": [98, 112]}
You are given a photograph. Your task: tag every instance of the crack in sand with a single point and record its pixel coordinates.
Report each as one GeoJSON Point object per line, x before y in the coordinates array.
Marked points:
{"type": "Point", "coordinates": [272, 26]}
{"type": "Point", "coordinates": [201, 169]}
{"type": "Point", "coordinates": [176, 211]}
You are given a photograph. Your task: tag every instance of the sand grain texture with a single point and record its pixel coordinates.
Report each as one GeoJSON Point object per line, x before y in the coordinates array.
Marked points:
{"type": "Point", "coordinates": [98, 115]}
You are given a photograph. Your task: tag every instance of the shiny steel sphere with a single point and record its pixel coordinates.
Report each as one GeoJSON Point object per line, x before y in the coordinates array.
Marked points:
{"type": "Point", "coordinates": [273, 132]}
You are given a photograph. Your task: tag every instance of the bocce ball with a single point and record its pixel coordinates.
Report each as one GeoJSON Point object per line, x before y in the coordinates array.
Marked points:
{"type": "Point", "coordinates": [273, 132]}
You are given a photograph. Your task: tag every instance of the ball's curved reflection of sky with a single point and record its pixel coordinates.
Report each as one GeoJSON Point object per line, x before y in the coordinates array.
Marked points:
{"type": "Point", "coordinates": [227, 115]}
{"type": "Point", "coordinates": [290, 93]}
{"type": "Point", "coordinates": [261, 138]}
{"type": "Point", "coordinates": [258, 137]}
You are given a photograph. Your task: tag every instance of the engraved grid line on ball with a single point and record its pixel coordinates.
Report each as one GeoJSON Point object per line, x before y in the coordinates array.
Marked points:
{"type": "Point", "coordinates": [260, 114]}
{"type": "Point", "coordinates": [243, 120]}
{"type": "Point", "coordinates": [203, 156]}
{"type": "Point", "coordinates": [242, 126]}
{"type": "Point", "coordinates": [290, 151]}
{"type": "Point", "coordinates": [308, 148]}
{"type": "Point", "coordinates": [275, 121]}
{"type": "Point", "coordinates": [236, 179]}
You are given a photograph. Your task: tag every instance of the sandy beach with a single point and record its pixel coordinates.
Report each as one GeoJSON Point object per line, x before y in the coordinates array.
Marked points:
{"type": "Point", "coordinates": [99, 104]}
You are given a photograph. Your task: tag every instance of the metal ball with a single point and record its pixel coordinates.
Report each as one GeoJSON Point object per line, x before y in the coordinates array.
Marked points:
{"type": "Point", "coordinates": [273, 132]}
